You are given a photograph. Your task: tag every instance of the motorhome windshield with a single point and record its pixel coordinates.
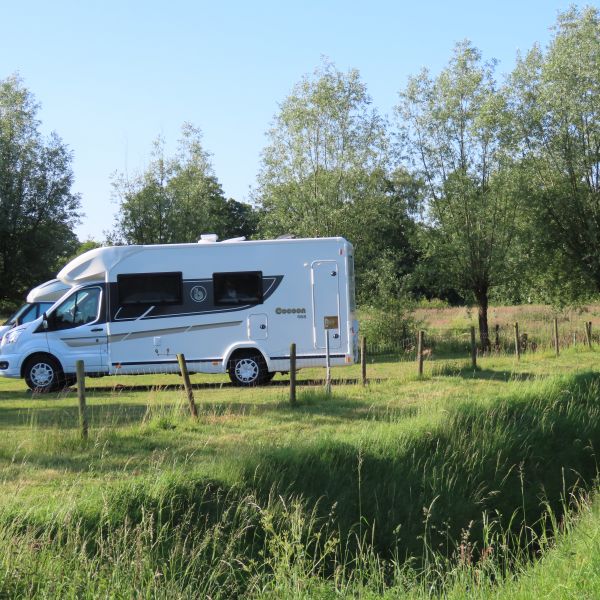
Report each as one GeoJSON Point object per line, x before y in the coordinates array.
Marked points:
{"type": "Point", "coordinates": [28, 312]}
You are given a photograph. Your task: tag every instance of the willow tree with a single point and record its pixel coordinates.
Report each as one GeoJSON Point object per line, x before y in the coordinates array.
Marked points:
{"type": "Point", "coordinates": [453, 132]}
{"type": "Point", "coordinates": [326, 172]}
{"type": "Point", "coordinates": [555, 104]}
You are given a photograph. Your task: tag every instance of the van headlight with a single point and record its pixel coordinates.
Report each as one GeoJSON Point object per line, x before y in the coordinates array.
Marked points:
{"type": "Point", "coordinates": [11, 337]}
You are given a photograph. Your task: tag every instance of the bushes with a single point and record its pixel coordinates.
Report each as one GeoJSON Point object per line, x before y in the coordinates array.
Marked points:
{"type": "Point", "coordinates": [388, 330]}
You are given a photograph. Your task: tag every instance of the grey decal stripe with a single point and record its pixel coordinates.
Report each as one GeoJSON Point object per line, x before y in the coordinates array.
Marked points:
{"type": "Point", "coordinates": [119, 337]}
{"type": "Point", "coordinates": [190, 314]}
{"type": "Point", "coordinates": [307, 356]}
{"type": "Point", "coordinates": [80, 342]}
{"type": "Point", "coordinates": [165, 362]}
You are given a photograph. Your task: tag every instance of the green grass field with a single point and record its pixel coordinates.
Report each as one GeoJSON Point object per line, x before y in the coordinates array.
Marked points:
{"type": "Point", "coordinates": [462, 483]}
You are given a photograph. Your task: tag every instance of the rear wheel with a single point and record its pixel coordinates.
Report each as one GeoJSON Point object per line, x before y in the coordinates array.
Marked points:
{"type": "Point", "coordinates": [44, 374]}
{"type": "Point", "coordinates": [247, 370]}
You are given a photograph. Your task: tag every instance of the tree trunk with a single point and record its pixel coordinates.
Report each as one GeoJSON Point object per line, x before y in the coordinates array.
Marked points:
{"type": "Point", "coordinates": [482, 313]}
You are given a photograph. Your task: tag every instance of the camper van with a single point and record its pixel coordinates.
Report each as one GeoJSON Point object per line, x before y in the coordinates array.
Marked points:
{"type": "Point", "coordinates": [233, 306]}
{"type": "Point", "coordinates": [39, 300]}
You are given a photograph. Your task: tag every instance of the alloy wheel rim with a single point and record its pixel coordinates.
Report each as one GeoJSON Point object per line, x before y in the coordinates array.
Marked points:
{"type": "Point", "coordinates": [246, 370]}
{"type": "Point", "coordinates": [41, 374]}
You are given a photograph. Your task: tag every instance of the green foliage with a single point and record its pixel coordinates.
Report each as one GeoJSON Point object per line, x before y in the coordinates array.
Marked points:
{"type": "Point", "coordinates": [326, 172]}
{"type": "Point", "coordinates": [177, 199]}
{"type": "Point", "coordinates": [38, 209]}
{"type": "Point", "coordinates": [389, 329]}
{"type": "Point", "coordinates": [432, 303]}
{"type": "Point", "coordinates": [556, 120]}
{"type": "Point", "coordinates": [453, 130]}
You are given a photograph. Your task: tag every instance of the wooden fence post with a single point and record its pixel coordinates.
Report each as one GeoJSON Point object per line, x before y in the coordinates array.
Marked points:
{"type": "Point", "coordinates": [327, 365]}
{"type": "Point", "coordinates": [420, 352]}
{"type": "Point", "coordinates": [83, 420]}
{"type": "Point", "coordinates": [497, 340]}
{"type": "Point", "coordinates": [556, 342]}
{"type": "Point", "coordinates": [187, 384]}
{"type": "Point", "coordinates": [293, 374]}
{"type": "Point", "coordinates": [363, 359]}
{"type": "Point", "coordinates": [473, 348]}
{"type": "Point", "coordinates": [588, 334]}
{"type": "Point", "coordinates": [517, 342]}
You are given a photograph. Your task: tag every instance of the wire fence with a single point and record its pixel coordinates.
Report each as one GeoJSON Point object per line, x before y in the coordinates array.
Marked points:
{"type": "Point", "coordinates": [248, 368]}
{"type": "Point", "coordinates": [456, 341]}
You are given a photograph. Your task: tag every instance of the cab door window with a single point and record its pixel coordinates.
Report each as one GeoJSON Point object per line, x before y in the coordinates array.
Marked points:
{"type": "Point", "coordinates": [78, 309]}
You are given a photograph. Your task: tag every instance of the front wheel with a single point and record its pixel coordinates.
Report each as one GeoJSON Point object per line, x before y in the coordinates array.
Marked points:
{"type": "Point", "coordinates": [43, 374]}
{"type": "Point", "coordinates": [248, 370]}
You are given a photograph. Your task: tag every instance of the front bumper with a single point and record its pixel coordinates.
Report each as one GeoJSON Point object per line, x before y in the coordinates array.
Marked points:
{"type": "Point", "coordinates": [10, 365]}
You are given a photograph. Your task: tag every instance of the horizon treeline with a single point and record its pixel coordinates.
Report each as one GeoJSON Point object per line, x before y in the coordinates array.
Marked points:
{"type": "Point", "coordinates": [477, 189]}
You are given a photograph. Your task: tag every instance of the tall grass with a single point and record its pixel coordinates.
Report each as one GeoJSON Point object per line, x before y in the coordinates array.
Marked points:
{"type": "Point", "coordinates": [496, 460]}
{"type": "Point", "coordinates": [276, 550]}
{"type": "Point", "coordinates": [467, 503]}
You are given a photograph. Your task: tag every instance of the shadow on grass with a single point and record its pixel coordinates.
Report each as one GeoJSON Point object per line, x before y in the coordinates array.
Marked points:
{"type": "Point", "coordinates": [75, 456]}
{"type": "Point", "coordinates": [118, 414]}
{"type": "Point", "coordinates": [502, 460]}
{"type": "Point", "coordinates": [491, 375]}
{"type": "Point", "coordinates": [119, 388]}
{"type": "Point", "coordinates": [279, 383]}
{"type": "Point", "coordinates": [468, 372]}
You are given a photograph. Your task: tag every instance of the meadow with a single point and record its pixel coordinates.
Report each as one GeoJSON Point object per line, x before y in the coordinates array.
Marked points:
{"type": "Point", "coordinates": [461, 483]}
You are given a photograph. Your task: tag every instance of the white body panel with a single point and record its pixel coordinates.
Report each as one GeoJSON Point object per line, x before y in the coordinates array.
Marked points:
{"type": "Point", "coordinates": [303, 281]}
{"type": "Point", "coordinates": [50, 291]}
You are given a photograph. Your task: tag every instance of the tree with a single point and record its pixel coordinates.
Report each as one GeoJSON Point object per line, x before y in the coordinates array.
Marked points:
{"type": "Point", "coordinates": [556, 116]}
{"type": "Point", "coordinates": [177, 199]}
{"type": "Point", "coordinates": [453, 132]}
{"type": "Point", "coordinates": [38, 209]}
{"type": "Point", "coordinates": [326, 172]}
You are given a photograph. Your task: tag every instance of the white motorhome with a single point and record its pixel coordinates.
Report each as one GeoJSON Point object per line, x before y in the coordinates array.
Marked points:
{"type": "Point", "coordinates": [232, 306]}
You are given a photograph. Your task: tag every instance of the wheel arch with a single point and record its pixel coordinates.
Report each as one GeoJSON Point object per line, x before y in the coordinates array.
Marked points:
{"type": "Point", "coordinates": [33, 355]}
{"type": "Point", "coordinates": [245, 349]}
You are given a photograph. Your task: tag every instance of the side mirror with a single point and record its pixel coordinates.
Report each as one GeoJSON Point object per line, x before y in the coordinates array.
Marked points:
{"type": "Point", "coordinates": [45, 321]}
{"type": "Point", "coordinates": [18, 322]}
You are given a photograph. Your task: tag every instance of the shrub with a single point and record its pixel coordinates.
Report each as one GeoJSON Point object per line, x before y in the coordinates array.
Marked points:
{"type": "Point", "coordinates": [387, 329]}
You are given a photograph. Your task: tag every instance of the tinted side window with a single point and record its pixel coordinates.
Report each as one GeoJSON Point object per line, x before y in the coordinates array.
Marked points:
{"type": "Point", "coordinates": [351, 283]}
{"type": "Point", "coordinates": [149, 288]}
{"type": "Point", "coordinates": [78, 309]}
{"type": "Point", "coordinates": [241, 287]}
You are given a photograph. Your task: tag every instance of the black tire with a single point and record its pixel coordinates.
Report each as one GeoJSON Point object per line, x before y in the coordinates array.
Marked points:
{"type": "Point", "coordinates": [248, 370]}
{"type": "Point", "coordinates": [43, 374]}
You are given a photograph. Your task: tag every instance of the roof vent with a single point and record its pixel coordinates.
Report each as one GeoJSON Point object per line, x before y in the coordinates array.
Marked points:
{"type": "Point", "coordinates": [207, 238]}
{"type": "Point", "coordinates": [235, 239]}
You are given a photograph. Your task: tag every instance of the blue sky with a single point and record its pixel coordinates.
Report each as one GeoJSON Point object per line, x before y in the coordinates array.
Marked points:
{"type": "Point", "coordinates": [112, 75]}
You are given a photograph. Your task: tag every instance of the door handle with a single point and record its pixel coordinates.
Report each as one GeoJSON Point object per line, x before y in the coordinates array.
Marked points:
{"type": "Point", "coordinates": [97, 329]}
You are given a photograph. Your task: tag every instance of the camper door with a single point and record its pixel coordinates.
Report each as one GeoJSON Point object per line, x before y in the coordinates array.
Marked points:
{"type": "Point", "coordinates": [326, 302]}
